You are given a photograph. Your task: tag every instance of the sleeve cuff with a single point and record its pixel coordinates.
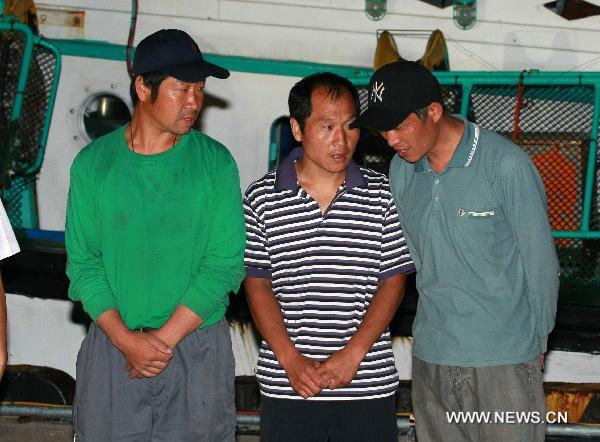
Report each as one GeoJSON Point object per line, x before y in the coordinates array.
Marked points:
{"type": "Point", "coordinates": [97, 305]}
{"type": "Point", "coordinates": [407, 268]}
{"type": "Point", "coordinates": [204, 308]}
{"type": "Point", "coordinates": [254, 272]}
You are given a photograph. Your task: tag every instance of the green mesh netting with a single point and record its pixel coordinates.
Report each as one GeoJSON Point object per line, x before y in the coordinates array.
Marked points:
{"type": "Point", "coordinates": [20, 141]}
{"type": "Point", "coordinates": [13, 201]}
{"type": "Point", "coordinates": [554, 128]}
{"type": "Point", "coordinates": [11, 54]}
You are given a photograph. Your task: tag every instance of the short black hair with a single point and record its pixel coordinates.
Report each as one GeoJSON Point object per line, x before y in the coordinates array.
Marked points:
{"type": "Point", "coordinates": [152, 79]}
{"type": "Point", "coordinates": [422, 113]}
{"type": "Point", "coordinates": [299, 100]}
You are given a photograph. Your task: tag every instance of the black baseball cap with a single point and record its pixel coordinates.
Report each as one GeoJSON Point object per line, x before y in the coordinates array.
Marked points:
{"type": "Point", "coordinates": [175, 53]}
{"type": "Point", "coordinates": [395, 91]}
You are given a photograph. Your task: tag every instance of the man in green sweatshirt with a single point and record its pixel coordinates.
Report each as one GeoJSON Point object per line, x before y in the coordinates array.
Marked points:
{"type": "Point", "coordinates": [155, 241]}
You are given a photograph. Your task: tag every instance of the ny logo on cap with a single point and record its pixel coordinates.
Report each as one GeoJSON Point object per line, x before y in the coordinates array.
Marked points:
{"type": "Point", "coordinates": [377, 92]}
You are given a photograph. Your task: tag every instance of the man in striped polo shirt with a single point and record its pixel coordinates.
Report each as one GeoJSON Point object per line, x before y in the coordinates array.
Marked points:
{"type": "Point", "coordinates": [325, 263]}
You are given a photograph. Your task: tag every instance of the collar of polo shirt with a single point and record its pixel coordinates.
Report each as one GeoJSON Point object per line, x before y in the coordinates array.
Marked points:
{"type": "Point", "coordinates": [465, 151]}
{"type": "Point", "coordinates": [287, 179]}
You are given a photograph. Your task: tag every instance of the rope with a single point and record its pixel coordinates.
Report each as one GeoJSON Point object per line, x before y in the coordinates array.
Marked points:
{"type": "Point", "coordinates": [518, 107]}
{"type": "Point", "coordinates": [130, 38]}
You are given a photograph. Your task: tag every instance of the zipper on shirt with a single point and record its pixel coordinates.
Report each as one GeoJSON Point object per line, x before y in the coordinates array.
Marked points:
{"type": "Point", "coordinates": [463, 212]}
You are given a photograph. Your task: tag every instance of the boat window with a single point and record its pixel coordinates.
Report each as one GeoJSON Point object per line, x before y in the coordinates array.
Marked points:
{"type": "Point", "coordinates": [282, 141]}
{"type": "Point", "coordinates": [103, 113]}
{"type": "Point", "coordinates": [573, 9]}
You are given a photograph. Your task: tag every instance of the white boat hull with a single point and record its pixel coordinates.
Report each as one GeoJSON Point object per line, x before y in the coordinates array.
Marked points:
{"type": "Point", "coordinates": [41, 332]}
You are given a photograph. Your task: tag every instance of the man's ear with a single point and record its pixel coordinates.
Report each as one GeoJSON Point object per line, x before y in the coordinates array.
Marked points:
{"type": "Point", "coordinates": [435, 111]}
{"type": "Point", "coordinates": [296, 131]}
{"type": "Point", "coordinates": [143, 91]}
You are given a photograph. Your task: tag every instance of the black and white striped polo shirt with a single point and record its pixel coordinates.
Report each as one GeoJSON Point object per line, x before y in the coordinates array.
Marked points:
{"type": "Point", "coordinates": [324, 270]}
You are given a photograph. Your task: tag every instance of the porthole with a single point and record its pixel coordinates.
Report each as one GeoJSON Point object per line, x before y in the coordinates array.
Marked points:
{"type": "Point", "coordinates": [102, 113]}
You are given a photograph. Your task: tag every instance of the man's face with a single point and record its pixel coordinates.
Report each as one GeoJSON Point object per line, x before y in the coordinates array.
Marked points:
{"type": "Point", "coordinates": [328, 141]}
{"type": "Point", "coordinates": [177, 105]}
{"type": "Point", "coordinates": [412, 138]}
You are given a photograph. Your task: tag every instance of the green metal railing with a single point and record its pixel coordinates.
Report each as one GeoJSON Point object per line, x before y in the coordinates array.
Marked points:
{"type": "Point", "coordinates": [8, 136]}
{"type": "Point", "coordinates": [468, 80]}
{"type": "Point", "coordinates": [554, 117]}
{"type": "Point", "coordinates": [478, 96]}
{"type": "Point", "coordinates": [30, 74]}
{"type": "Point", "coordinates": [25, 63]}
{"type": "Point", "coordinates": [566, 118]}
{"type": "Point", "coordinates": [36, 166]}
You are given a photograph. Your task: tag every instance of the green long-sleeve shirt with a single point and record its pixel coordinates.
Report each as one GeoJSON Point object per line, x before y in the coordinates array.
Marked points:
{"type": "Point", "coordinates": [146, 233]}
{"type": "Point", "coordinates": [487, 272]}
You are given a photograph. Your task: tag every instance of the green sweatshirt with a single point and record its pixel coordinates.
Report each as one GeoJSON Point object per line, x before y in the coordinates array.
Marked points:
{"type": "Point", "coordinates": [146, 233]}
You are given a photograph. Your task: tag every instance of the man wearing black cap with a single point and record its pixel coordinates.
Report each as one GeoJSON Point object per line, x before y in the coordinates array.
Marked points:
{"type": "Point", "coordinates": [474, 212]}
{"type": "Point", "coordinates": [155, 240]}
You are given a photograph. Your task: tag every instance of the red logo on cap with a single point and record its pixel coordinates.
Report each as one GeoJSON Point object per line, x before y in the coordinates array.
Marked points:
{"type": "Point", "coordinates": [195, 47]}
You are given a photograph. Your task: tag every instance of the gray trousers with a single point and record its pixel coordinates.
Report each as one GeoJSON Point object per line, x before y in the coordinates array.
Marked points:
{"type": "Point", "coordinates": [191, 400]}
{"type": "Point", "coordinates": [503, 391]}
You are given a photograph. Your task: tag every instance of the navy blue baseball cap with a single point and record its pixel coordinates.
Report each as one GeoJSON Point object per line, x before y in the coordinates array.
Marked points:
{"type": "Point", "coordinates": [396, 90]}
{"type": "Point", "coordinates": [175, 53]}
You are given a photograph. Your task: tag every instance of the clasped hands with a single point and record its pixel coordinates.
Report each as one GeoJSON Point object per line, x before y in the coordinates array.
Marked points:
{"type": "Point", "coordinates": [146, 354]}
{"type": "Point", "coordinates": [308, 376]}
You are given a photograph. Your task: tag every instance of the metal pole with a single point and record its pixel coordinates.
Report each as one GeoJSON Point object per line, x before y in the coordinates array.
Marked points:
{"type": "Point", "coordinates": [249, 423]}
{"type": "Point", "coordinates": [466, 98]}
{"type": "Point", "coordinates": [573, 430]}
{"type": "Point", "coordinates": [62, 412]}
{"type": "Point", "coordinates": [590, 176]}
{"type": "Point", "coordinates": [584, 234]}
{"type": "Point", "coordinates": [533, 77]}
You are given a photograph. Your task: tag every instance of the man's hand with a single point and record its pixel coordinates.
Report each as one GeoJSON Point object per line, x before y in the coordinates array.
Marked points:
{"type": "Point", "coordinates": [542, 360]}
{"type": "Point", "coordinates": [162, 336]}
{"type": "Point", "coordinates": [266, 312]}
{"type": "Point", "coordinates": [339, 369]}
{"type": "Point", "coordinates": [181, 323]}
{"type": "Point", "coordinates": [303, 375]}
{"type": "Point", "coordinates": [146, 355]}
{"type": "Point", "coordinates": [133, 373]}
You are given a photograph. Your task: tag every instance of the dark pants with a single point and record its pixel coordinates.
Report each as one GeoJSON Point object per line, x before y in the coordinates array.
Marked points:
{"type": "Point", "coordinates": [503, 391]}
{"type": "Point", "coordinates": [305, 420]}
{"type": "Point", "coordinates": [191, 400]}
